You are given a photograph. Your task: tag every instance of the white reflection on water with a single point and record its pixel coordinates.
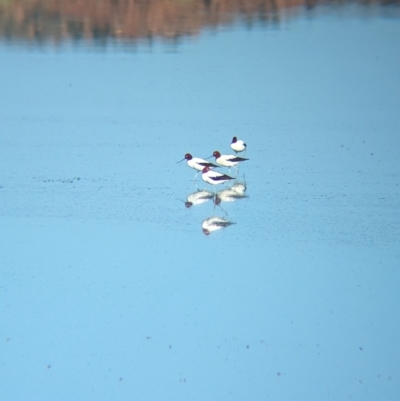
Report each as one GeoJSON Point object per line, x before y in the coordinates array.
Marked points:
{"type": "Point", "coordinates": [230, 194]}
{"type": "Point", "coordinates": [198, 197]}
{"type": "Point", "coordinates": [214, 223]}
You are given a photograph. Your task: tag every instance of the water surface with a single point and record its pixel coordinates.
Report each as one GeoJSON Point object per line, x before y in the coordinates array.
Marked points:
{"type": "Point", "coordinates": [110, 289]}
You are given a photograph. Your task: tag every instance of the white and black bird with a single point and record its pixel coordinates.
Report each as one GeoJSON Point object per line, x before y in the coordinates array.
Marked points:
{"type": "Point", "coordinates": [214, 177]}
{"type": "Point", "coordinates": [197, 163]}
{"type": "Point", "coordinates": [238, 145]}
{"type": "Point", "coordinates": [227, 160]}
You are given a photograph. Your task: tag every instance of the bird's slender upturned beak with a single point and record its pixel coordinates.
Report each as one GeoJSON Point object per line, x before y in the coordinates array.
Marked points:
{"type": "Point", "coordinates": [181, 160]}
{"type": "Point", "coordinates": [209, 157]}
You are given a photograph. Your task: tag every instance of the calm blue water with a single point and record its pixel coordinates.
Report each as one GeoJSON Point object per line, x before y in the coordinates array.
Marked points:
{"type": "Point", "coordinates": [109, 289]}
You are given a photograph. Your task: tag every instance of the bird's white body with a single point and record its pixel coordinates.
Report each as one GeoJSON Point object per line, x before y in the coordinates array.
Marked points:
{"type": "Point", "coordinates": [197, 163]}
{"type": "Point", "coordinates": [238, 145]}
{"type": "Point", "coordinates": [214, 177]}
{"type": "Point", "coordinates": [227, 160]}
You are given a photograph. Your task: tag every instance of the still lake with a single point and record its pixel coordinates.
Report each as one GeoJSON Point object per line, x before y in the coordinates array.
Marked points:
{"type": "Point", "coordinates": [110, 290]}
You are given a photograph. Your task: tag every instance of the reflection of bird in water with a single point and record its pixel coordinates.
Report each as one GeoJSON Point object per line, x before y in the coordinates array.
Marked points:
{"type": "Point", "coordinates": [214, 223]}
{"type": "Point", "coordinates": [238, 145]}
{"type": "Point", "coordinates": [228, 195]}
{"type": "Point", "coordinates": [213, 177]}
{"type": "Point", "coordinates": [198, 197]}
{"type": "Point", "coordinates": [197, 163]}
{"type": "Point", "coordinates": [237, 191]}
{"type": "Point", "coordinates": [239, 187]}
{"type": "Point", "coordinates": [227, 160]}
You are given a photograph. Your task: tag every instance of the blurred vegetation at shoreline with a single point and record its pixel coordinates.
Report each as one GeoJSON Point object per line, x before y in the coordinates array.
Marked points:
{"type": "Point", "coordinates": [55, 21]}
